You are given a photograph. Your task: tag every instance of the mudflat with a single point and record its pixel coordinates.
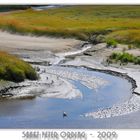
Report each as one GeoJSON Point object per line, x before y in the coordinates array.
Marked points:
{"type": "Point", "coordinates": [15, 42]}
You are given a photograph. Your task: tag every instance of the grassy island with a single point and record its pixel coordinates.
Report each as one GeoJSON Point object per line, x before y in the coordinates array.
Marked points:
{"type": "Point", "coordinates": [14, 69]}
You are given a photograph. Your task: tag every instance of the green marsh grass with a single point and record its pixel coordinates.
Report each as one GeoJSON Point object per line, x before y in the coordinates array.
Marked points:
{"type": "Point", "coordinates": [14, 69]}
{"type": "Point", "coordinates": [122, 23]}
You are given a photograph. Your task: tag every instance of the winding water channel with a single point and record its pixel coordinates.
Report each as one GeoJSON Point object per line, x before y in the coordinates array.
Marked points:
{"type": "Point", "coordinates": [91, 98]}
{"type": "Point", "coordinates": [44, 112]}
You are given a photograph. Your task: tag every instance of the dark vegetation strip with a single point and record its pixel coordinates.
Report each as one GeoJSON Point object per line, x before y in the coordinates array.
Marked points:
{"type": "Point", "coordinates": [7, 8]}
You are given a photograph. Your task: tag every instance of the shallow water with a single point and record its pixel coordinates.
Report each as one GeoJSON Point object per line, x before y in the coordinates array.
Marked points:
{"type": "Point", "coordinates": [47, 112]}
{"type": "Point", "coordinates": [40, 8]}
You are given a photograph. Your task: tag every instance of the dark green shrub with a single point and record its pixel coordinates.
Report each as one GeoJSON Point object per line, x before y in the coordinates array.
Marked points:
{"type": "Point", "coordinates": [111, 42]}
{"type": "Point", "coordinates": [137, 60]}
{"type": "Point", "coordinates": [130, 46]}
{"type": "Point", "coordinates": [31, 74]}
{"type": "Point", "coordinates": [124, 58]}
{"type": "Point", "coordinates": [15, 74]}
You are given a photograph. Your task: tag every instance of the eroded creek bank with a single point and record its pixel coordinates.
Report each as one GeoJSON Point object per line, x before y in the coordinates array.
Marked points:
{"type": "Point", "coordinates": [73, 85]}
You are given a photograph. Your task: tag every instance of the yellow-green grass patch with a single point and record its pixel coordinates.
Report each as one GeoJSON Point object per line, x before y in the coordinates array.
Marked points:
{"type": "Point", "coordinates": [76, 21]}
{"type": "Point", "coordinates": [14, 69]}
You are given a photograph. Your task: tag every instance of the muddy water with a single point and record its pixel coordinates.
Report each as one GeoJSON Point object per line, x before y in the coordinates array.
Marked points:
{"type": "Point", "coordinates": [47, 112]}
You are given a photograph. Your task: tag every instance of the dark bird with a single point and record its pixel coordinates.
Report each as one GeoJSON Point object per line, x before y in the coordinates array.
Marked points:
{"type": "Point", "coordinates": [64, 114]}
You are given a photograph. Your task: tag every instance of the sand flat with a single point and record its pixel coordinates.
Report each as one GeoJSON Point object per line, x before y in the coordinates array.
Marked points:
{"type": "Point", "coordinates": [15, 42]}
